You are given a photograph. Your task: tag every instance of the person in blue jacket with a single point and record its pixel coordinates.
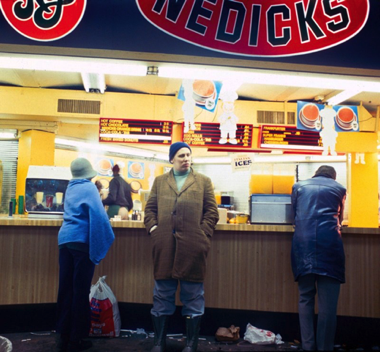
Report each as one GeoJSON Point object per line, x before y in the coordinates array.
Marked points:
{"type": "Point", "coordinates": [83, 239]}
{"type": "Point", "coordinates": [318, 259]}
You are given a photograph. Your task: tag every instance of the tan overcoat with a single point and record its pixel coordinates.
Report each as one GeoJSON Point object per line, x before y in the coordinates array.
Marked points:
{"type": "Point", "coordinates": [185, 222]}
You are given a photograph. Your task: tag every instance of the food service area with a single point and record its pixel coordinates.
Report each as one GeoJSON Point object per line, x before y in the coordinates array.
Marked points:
{"type": "Point", "coordinates": [262, 103]}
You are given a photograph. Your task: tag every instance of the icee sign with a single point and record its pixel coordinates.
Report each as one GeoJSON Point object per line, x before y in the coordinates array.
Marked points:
{"type": "Point", "coordinates": [240, 162]}
{"type": "Point", "coordinates": [259, 27]}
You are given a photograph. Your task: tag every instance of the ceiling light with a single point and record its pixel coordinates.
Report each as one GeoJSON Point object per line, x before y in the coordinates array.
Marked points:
{"type": "Point", "coordinates": [271, 77]}
{"type": "Point", "coordinates": [93, 82]}
{"type": "Point", "coordinates": [346, 94]}
{"type": "Point", "coordinates": [103, 148]}
{"type": "Point", "coordinates": [212, 160]}
{"type": "Point", "coordinates": [8, 133]}
{"type": "Point", "coordinates": [267, 158]}
{"type": "Point", "coordinates": [152, 71]}
{"type": "Point", "coordinates": [71, 64]}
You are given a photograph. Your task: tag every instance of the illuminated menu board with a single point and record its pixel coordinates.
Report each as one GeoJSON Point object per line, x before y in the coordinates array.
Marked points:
{"type": "Point", "coordinates": [288, 137]}
{"type": "Point", "coordinates": [135, 131]}
{"type": "Point", "coordinates": [207, 134]}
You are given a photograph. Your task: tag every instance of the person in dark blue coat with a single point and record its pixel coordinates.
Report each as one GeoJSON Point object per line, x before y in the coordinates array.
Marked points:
{"type": "Point", "coordinates": [318, 260]}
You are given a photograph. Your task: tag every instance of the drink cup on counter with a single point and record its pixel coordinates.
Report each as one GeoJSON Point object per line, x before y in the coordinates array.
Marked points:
{"type": "Point", "coordinates": [49, 201]}
{"type": "Point", "coordinates": [58, 197]}
{"type": "Point", "coordinates": [21, 204]}
{"type": "Point", "coordinates": [14, 203]}
{"type": "Point", "coordinates": [39, 197]}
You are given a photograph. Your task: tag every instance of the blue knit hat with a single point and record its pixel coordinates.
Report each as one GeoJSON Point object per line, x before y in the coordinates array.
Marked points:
{"type": "Point", "coordinates": [174, 148]}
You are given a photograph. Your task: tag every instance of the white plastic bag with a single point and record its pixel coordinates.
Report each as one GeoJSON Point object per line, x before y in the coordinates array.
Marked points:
{"type": "Point", "coordinates": [260, 336]}
{"type": "Point", "coordinates": [105, 315]}
{"type": "Point", "coordinates": [5, 344]}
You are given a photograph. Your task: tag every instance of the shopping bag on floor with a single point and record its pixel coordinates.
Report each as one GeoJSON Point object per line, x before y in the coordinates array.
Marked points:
{"type": "Point", "coordinates": [105, 315]}
{"type": "Point", "coordinates": [5, 344]}
{"type": "Point", "coordinates": [259, 336]}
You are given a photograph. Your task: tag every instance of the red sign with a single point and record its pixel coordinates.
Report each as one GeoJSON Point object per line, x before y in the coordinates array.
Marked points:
{"type": "Point", "coordinates": [259, 27]}
{"type": "Point", "coordinates": [208, 134]}
{"type": "Point", "coordinates": [135, 131]}
{"type": "Point", "coordinates": [288, 137]}
{"type": "Point", "coordinates": [43, 20]}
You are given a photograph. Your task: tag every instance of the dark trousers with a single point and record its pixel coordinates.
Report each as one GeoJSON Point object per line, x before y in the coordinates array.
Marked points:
{"type": "Point", "coordinates": [73, 308]}
{"type": "Point", "coordinates": [327, 290]}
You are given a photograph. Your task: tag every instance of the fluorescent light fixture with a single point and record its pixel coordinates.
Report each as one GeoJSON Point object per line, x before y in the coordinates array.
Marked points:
{"type": "Point", "coordinates": [96, 147]}
{"type": "Point", "coordinates": [71, 64]}
{"type": "Point", "coordinates": [346, 94]}
{"type": "Point", "coordinates": [295, 147]}
{"type": "Point", "coordinates": [267, 158]}
{"type": "Point", "coordinates": [8, 134]}
{"type": "Point", "coordinates": [136, 136]}
{"type": "Point", "coordinates": [298, 158]}
{"type": "Point", "coordinates": [271, 77]}
{"type": "Point", "coordinates": [212, 160]}
{"type": "Point", "coordinates": [93, 82]}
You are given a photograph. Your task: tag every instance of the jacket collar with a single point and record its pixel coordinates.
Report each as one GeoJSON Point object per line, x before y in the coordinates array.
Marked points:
{"type": "Point", "coordinates": [189, 181]}
{"type": "Point", "coordinates": [323, 175]}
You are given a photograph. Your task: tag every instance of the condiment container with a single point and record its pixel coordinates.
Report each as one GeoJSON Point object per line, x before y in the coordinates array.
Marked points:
{"type": "Point", "coordinates": [237, 217]}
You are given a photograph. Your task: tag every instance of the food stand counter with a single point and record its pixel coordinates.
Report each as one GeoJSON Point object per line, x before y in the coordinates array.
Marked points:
{"type": "Point", "coordinates": [248, 266]}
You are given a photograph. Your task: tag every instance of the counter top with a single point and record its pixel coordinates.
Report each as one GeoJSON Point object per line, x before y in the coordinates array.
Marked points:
{"type": "Point", "coordinates": [23, 220]}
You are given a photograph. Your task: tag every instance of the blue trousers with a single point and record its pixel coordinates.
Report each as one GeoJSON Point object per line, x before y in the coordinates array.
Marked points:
{"type": "Point", "coordinates": [191, 296]}
{"type": "Point", "coordinates": [328, 293]}
{"type": "Point", "coordinates": [73, 307]}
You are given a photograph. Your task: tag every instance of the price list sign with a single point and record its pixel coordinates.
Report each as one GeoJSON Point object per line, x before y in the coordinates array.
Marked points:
{"type": "Point", "coordinates": [207, 134]}
{"type": "Point", "coordinates": [288, 137]}
{"type": "Point", "coordinates": [135, 131]}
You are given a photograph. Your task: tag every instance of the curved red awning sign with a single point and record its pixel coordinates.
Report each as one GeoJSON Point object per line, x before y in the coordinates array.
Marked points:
{"type": "Point", "coordinates": [259, 27]}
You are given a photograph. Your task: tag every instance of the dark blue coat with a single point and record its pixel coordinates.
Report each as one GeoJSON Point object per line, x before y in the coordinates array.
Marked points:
{"type": "Point", "coordinates": [317, 246]}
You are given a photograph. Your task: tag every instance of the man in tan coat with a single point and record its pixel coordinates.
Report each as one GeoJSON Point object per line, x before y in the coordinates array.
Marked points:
{"type": "Point", "coordinates": [180, 215]}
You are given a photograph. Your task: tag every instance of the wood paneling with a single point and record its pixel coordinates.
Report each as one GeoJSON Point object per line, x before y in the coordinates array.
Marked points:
{"type": "Point", "coordinates": [246, 269]}
{"type": "Point", "coordinates": [28, 264]}
{"type": "Point", "coordinates": [250, 271]}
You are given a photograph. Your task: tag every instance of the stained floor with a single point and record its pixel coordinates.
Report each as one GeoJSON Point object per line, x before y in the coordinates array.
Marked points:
{"type": "Point", "coordinates": [45, 341]}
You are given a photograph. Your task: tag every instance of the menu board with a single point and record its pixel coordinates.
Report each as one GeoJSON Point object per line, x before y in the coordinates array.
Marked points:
{"type": "Point", "coordinates": [208, 134]}
{"type": "Point", "coordinates": [289, 137]}
{"type": "Point", "coordinates": [135, 131]}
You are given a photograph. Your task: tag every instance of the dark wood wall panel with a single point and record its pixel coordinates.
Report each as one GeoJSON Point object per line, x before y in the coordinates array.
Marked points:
{"type": "Point", "coordinates": [246, 270]}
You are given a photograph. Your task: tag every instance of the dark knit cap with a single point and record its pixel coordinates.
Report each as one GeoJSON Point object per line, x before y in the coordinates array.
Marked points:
{"type": "Point", "coordinates": [174, 148]}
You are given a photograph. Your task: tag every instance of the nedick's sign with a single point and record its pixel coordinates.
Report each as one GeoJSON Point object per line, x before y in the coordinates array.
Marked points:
{"type": "Point", "coordinates": [259, 27]}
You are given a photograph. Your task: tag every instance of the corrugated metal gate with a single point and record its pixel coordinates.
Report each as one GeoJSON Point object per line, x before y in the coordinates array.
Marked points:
{"type": "Point", "coordinates": [8, 157]}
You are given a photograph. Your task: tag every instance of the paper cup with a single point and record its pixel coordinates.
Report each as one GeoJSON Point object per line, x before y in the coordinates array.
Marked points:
{"type": "Point", "coordinates": [39, 197]}
{"type": "Point", "coordinates": [58, 197]}
{"type": "Point", "coordinates": [49, 201]}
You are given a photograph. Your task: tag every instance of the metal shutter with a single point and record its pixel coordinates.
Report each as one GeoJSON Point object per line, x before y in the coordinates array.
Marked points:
{"type": "Point", "coordinates": [8, 157]}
